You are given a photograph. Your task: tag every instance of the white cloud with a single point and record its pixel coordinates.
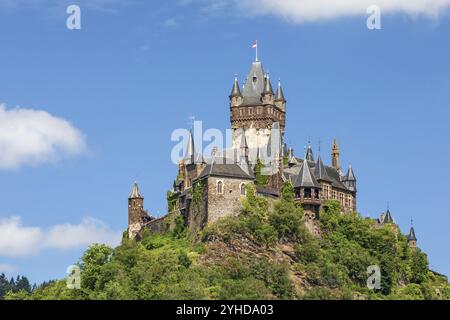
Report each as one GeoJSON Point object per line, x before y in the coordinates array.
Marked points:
{"type": "Point", "coordinates": [7, 268]}
{"type": "Point", "coordinates": [299, 11]}
{"type": "Point", "coordinates": [29, 136]}
{"type": "Point", "coordinates": [17, 240]}
{"type": "Point", "coordinates": [170, 23]}
{"type": "Point", "coordinates": [90, 230]}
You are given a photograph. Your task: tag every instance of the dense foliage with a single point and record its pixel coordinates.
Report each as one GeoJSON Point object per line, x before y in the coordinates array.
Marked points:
{"type": "Point", "coordinates": [330, 266]}
{"type": "Point", "coordinates": [18, 284]}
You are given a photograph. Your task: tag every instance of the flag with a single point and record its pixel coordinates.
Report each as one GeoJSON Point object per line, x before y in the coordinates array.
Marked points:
{"type": "Point", "coordinates": [255, 45]}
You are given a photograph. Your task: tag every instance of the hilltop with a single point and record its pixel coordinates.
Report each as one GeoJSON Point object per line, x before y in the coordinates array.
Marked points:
{"type": "Point", "coordinates": [267, 252]}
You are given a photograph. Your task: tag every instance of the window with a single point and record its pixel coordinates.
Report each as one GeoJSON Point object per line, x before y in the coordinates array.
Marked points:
{"type": "Point", "coordinates": [308, 193]}
{"type": "Point", "coordinates": [243, 191]}
{"type": "Point", "coordinates": [341, 198]}
{"type": "Point", "coordinates": [220, 187]}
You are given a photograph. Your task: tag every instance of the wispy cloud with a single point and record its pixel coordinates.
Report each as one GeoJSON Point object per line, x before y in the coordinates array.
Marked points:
{"type": "Point", "coordinates": [170, 23]}
{"type": "Point", "coordinates": [299, 11]}
{"type": "Point", "coordinates": [7, 268]}
{"type": "Point", "coordinates": [29, 136]}
{"type": "Point", "coordinates": [100, 5]}
{"type": "Point", "coordinates": [18, 240]}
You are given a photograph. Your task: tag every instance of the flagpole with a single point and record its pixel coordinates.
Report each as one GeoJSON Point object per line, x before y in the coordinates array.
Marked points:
{"type": "Point", "coordinates": [256, 50]}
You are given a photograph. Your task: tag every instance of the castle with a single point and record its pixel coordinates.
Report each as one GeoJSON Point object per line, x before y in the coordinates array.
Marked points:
{"type": "Point", "coordinates": [209, 188]}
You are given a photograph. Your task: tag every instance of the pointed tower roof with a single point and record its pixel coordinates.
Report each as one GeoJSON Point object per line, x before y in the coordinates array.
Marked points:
{"type": "Point", "coordinates": [305, 178]}
{"type": "Point", "coordinates": [236, 91]}
{"type": "Point", "coordinates": [319, 171]}
{"type": "Point", "coordinates": [292, 161]}
{"type": "Point", "coordinates": [388, 217]}
{"type": "Point", "coordinates": [280, 95]}
{"type": "Point", "coordinates": [254, 85]}
{"type": "Point", "coordinates": [412, 235]}
{"type": "Point", "coordinates": [309, 154]}
{"type": "Point", "coordinates": [135, 193]}
{"type": "Point", "coordinates": [350, 176]}
{"type": "Point", "coordinates": [268, 89]}
{"type": "Point", "coordinates": [190, 150]}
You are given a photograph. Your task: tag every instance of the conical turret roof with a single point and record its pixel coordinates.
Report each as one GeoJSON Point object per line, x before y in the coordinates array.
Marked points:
{"type": "Point", "coordinates": [319, 171]}
{"type": "Point", "coordinates": [135, 193]}
{"type": "Point", "coordinates": [309, 154]}
{"type": "Point", "coordinates": [305, 178]}
{"type": "Point", "coordinates": [412, 235]}
{"type": "Point", "coordinates": [388, 217]}
{"type": "Point", "coordinates": [268, 86]}
{"type": "Point", "coordinates": [280, 95]}
{"type": "Point", "coordinates": [235, 91]}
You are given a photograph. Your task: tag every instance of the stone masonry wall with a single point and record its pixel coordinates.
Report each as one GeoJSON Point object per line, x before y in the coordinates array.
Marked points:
{"type": "Point", "coordinates": [228, 202]}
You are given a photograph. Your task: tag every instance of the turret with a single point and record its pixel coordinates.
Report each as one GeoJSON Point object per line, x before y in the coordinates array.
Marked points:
{"type": "Point", "coordinates": [280, 100]}
{"type": "Point", "coordinates": [292, 161]}
{"type": "Point", "coordinates": [335, 156]}
{"type": "Point", "coordinates": [268, 95]}
{"type": "Point", "coordinates": [349, 180]}
{"type": "Point", "coordinates": [236, 95]}
{"type": "Point", "coordinates": [136, 213]}
{"type": "Point", "coordinates": [309, 153]}
{"type": "Point", "coordinates": [387, 218]}
{"type": "Point", "coordinates": [411, 237]}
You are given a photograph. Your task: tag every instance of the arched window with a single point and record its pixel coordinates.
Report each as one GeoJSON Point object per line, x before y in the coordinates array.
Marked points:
{"type": "Point", "coordinates": [220, 187]}
{"type": "Point", "coordinates": [243, 190]}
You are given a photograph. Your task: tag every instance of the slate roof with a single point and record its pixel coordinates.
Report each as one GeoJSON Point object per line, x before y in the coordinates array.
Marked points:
{"type": "Point", "coordinates": [135, 193]}
{"type": "Point", "coordinates": [254, 85]}
{"type": "Point", "coordinates": [309, 154]}
{"type": "Point", "coordinates": [350, 176]}
{"type": "Point", "coordinates": [226, 170]}
{"type": "Point", "coordinates": [191, 156]}
{"type": "Point", "coordinates": [305, 178]}
{"type": "Point", "coordinates": [291, 173]}
{"type": "Point", "coordinates": [280, 94]}
{"type": "Point", "coordinates": [388, 217]}
{"type": "Point", "coordinates": [320, 172]}
{"type": "Point", "coordinates": [412, 235]}
{"type": "Point", "coordinates": [236, 91]}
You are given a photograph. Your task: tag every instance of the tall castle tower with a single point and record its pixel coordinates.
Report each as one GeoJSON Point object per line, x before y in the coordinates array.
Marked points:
{"type": "Point", "coordinates": [136, 213]}
{"type": "Point", "coordinates": [256, 109]}
{"type": "Point", "coordinates": [335, 156]}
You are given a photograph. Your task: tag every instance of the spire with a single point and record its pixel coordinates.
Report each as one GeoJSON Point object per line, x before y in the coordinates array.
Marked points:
{"type": "Point", "coordinates": [388, 217]}
{"type": "Point", "coordinates": [350, 175]}
{"type": "Point", "coordinates": [309, 153]}
{"type": "Point", "coordinates": [305, 178]}
{"type": "Point", "coordinates": [412, 235]}
{"type": "Point", "coordinates": [292, 161]}
{"type": "Point", "coordinates": [268, 86]}
{"type": "Point", "coordinates": [190, 151]}
{"type": "Point", "coordinates": [280, 94]}
{"type": "Point", "coordinates": [319, 171]}
{"type": "Point", "coordinates": [236, 91]}
{"type": "Point", "coordinates": [135, 194]}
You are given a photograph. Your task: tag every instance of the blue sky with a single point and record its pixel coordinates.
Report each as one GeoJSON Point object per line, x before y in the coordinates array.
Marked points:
{"type": "Point", "coordinates": [86, 112]}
